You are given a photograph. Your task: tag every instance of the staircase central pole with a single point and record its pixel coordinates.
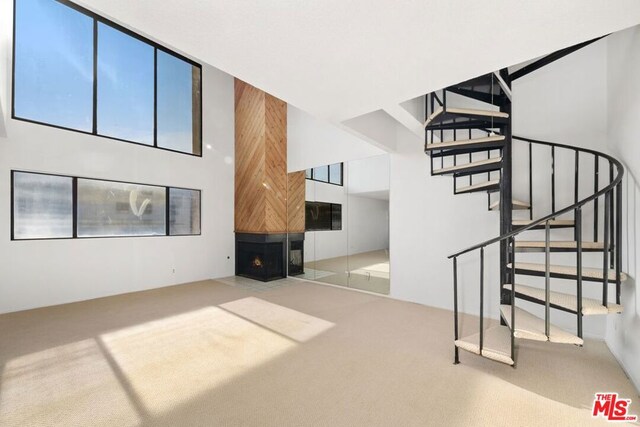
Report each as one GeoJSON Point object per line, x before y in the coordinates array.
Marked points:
{"type": "Point", "coordinates": [506, 197]}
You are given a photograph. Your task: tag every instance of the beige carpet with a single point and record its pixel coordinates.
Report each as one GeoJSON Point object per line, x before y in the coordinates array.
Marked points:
{"type": "Point", "coordinates": [369, 271]}
{"type": "Point", "coordinates": [290, 354]}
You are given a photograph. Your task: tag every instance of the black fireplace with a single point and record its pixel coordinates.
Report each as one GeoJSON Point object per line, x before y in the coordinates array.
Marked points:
{"type": "Point", "coordinates": [261, 256]}
{"type": "Point", "coordinates": [296, 254]}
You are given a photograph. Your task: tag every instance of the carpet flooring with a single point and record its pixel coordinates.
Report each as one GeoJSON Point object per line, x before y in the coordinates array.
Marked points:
{"type": "Point", "coordinates": [289, 353]}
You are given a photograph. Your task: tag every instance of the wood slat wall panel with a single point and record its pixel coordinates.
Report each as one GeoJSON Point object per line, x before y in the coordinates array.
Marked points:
{"type": "Point", "coordinates": [276, 164]}
{"type": "Point", "coordinates": [296, 201]}
{"type": "Point", "coordinates": [250, 198]}
{"type": "Point", "coordinates": [261, 161]}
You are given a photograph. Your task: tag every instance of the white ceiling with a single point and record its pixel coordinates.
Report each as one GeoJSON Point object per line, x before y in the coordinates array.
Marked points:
{"type": "Point", "coordinates": [339, 59]}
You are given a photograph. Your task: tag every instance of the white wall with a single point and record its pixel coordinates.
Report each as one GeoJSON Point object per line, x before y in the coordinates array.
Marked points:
{"type": "Point", "coordinates": [564, 102]}
{"type": "Point", "coordinates": [623, 107]}
{"type": "Point", "coordinates": [41, 273]}
{"type": "Point", "coordinates": [370, 175]}
{"type": "Point", "coordinates": [313, 142]}
{"type": "Point", "coordinates": [368, 224]}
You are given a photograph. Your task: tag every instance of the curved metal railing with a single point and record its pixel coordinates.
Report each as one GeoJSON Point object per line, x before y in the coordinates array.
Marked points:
{"type": "Point", "coordinates": [611, 235]}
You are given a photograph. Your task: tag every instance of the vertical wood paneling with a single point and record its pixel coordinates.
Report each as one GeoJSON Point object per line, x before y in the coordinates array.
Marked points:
{"type": "Point", "coordinates": [296, 201]}
{"type": "Point", "coordinates": [261, 161]}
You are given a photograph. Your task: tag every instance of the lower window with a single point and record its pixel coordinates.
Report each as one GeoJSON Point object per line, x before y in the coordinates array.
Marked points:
{"type": "Point", "coordinates": [42, 206]}
{"type": "Point", "coordinates": [321, 216]}
{"type": "Point", "coordinates": [54, 207]}
{"type": "Point", "coordinates": [108, 209]}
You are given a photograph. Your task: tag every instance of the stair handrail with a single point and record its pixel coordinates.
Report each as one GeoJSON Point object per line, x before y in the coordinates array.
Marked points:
{"type": "Point", "coordinates": [574, 206]}
{"type": "Point", "coordinates": [615, 184]}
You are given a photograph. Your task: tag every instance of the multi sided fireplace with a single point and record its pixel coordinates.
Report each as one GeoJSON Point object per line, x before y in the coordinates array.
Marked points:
{"type": "Point", "coordinates": [261, 256]}
{"type": "Point", "coordinates": [268, 257]}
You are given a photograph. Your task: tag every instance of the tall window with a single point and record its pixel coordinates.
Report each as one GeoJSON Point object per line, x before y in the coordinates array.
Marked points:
{"type": "Point", "coordinates": [76, 70]}
{"type": "Point", "coordinates": [58, 207]}
{"type": "Point", "coordinates": [330, 174]}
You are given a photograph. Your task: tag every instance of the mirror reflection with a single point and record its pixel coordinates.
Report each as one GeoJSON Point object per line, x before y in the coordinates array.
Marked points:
{"type": "Point", "coordinates": [346, 225]}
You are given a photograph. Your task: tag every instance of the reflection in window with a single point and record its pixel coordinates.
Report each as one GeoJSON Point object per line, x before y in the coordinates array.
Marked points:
{"type": "Point", "coordinates": [53, 79]}
{"type": "Point", "coordinates": [336, 216]}
{"type": "Point", "coordinates": [178, 104]}
{"type": "Point", "coordinates": [321, 216]}
{"type": "Point", "coordinates": [331, 174]}
{"type": "Point", "coordinates": [42, 206]}
{"type": "Point", "coordinates": [335, 173]}
{"type": "Point", "coordinates": [321, 174]}
{"type": "Point", "coordinates": [125, 86]}
{"type": "Point", "coordinates": [184, 212]}
{"type": "Point", "coordinates": [119, 209]}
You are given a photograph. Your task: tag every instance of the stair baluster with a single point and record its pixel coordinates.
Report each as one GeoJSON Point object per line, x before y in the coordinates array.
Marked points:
{"type": "Point", "coordinates": [494, 343]}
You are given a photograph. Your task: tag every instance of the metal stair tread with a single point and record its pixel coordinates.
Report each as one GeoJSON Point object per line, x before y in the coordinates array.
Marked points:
{"type": "Point", "coordinates": [568, 244]}
{"type": "Point", "coordinates": [466, 112]}
{"type": "Point", "coordinates": [467, 165]}
{"type": "Point", "coordinates": [552, 223]}
{"type": "Point", "coordinates": [461, 142]}
{"type": "Point", "coordinates": [517, 205]}
{"type": "Point", "coordinates": [530, 327]}
{"type": "Point", "coordinates": [587, 272]}
{"type": "Point", "coordinates": [496, 344]}
{"type": "Point", "coordinates": [478, 186]}
{"type": "Point", "coordinates": [590, 306]}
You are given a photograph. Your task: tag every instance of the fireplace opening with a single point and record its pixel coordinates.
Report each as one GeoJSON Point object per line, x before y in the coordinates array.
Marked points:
{"type": "Point", "coordinates": [260, 256]}
{"type": "Point", "coordinates": [296, 254]}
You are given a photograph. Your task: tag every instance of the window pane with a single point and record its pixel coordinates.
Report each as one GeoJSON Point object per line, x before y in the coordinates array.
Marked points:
{"type": "Point", "coordinates": [119, 209]}
{"type": "Point", "coordinates": [336, 217]}
{"type": "Point", "coordinates": [125, 86]}
{"type": "Point", "coordinates": [318, 216]}
{"type": "Point", "coordinates": [178, 104]}
{"type": "Point", "coordinates": [321, 174]}
{"type": "Point", "coordinates": [307, 174]}
{"type": "Point", "coordinates": [53, 65]}
{"type": "Point", "coordinates": [184, 211]}
{"type": "Point", "coordinates": [335, 173]}
{"type": "Point", "coordinates": [42, 206]}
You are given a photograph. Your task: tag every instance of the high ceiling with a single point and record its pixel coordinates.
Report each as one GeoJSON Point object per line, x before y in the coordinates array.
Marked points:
{"type": "Point", "coordinates": [339, 59]}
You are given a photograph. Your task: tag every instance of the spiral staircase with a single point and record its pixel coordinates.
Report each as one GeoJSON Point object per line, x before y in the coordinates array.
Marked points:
{"type": "Point", "coordinates": [468, 137]}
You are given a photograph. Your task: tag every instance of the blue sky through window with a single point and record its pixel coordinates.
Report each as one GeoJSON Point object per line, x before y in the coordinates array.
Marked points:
{"type": "Point", "coordinates": [175, 103]}
{"type": "Point", "coordinates": [125, 86]}
{"type": "Point", "coordinates": [54, 65]}
{"type": "Point", "coordinates": [54, 79]}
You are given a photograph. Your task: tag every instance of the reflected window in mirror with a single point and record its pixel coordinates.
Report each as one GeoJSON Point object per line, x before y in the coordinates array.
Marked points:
{"type": "Point", "coordinates": [329, 174]}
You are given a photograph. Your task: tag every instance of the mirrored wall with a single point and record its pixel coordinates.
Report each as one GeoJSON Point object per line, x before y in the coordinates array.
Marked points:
{"type": "Point", "coordinates": [346, 238]}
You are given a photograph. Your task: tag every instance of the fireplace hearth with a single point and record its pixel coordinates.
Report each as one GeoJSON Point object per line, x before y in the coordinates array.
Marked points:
{"type": "Point", "coordinates": [261, 256]}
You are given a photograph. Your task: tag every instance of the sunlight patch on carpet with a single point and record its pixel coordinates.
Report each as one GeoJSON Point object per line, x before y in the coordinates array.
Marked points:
{"type": "Point", "coordinates": [170, 361]}
{"type": "Point", "coordinates": [64, 385]}
{"type": "Point", "coordinates": [291, 323]}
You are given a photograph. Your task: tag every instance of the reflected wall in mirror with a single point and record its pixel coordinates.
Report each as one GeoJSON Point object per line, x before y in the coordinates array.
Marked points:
{"type": "Point", "coordinates": [346, 239]}
{"type": "Point", "coordinates": [368, 224]}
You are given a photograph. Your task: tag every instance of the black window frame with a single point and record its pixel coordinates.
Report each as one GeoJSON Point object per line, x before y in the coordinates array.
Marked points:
{"type": "Point", "coordinates": [328, 181]}
{"type": "Point", "coordinates": [331, 212]}
{"type": "Point", "coordinates": [75, 208]}
{"type": "Point", "coordinates": [97, 18]}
